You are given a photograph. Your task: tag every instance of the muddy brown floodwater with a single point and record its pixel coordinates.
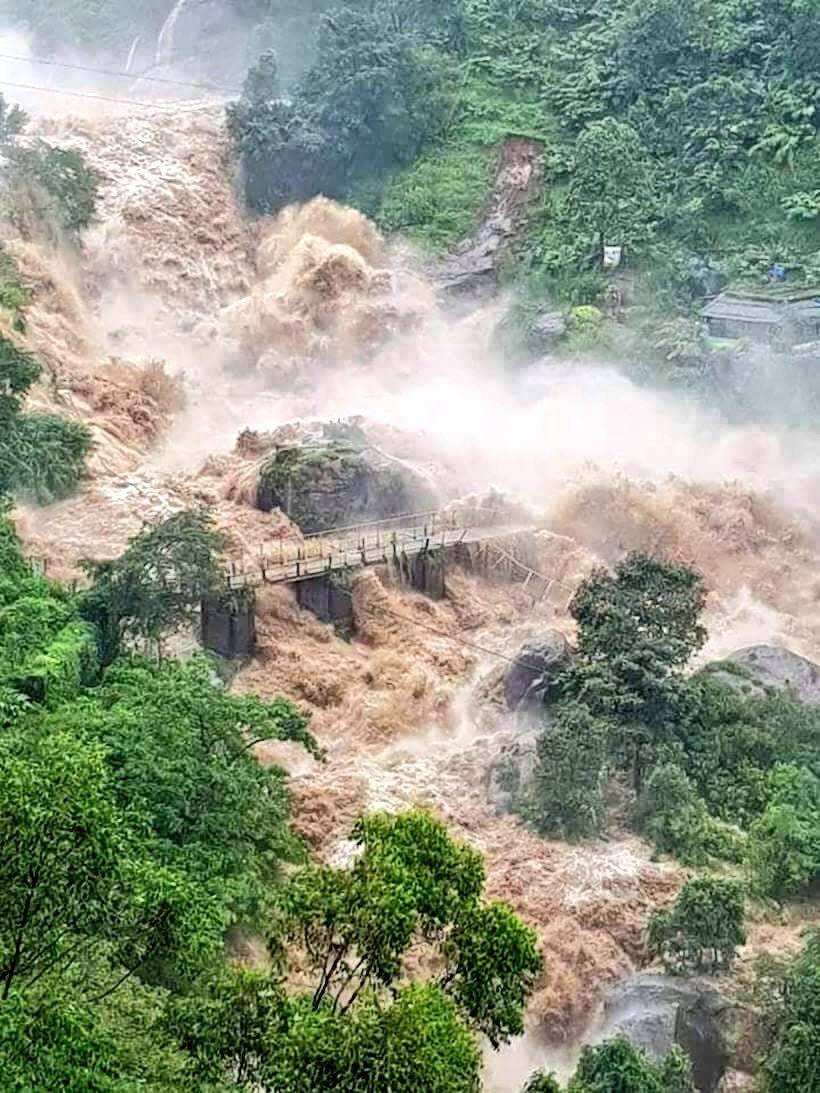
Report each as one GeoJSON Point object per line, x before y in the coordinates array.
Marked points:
{"type": "Point", "coordinates": [182, 324]}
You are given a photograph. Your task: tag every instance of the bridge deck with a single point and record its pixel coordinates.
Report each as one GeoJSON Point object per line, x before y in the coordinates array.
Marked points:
{"type": "Point", "coordinates": [356, 548]}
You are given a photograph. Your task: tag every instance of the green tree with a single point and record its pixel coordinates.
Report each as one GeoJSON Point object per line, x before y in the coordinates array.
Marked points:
{"type": "Point", "coordinates": [676, 819]}
{"type": "Point", "coordinates": [64, 187]}
{"type": "Point", "coordinates": [57, 1039]}
{"type": "Point", "coordinates": [612, 190]}
{"type": "Point", "coordinates": [414, 1042]}
{"type": "Point", "coordinates": [63, 841]}
{"type": "Point", "coordinates": [794, 1064]}
{"type": "Point", "coordinates": [178, 749]}
{"type": "Point", "coordinates": [646, 603]}
{"type": "Point", "coordinates": [617, 1067]}
{"type": "Point", "coordinates": [704, 927]}
{"type": "Point", "coordinates": [412, 882]}
{"type": "Point", "coordinates": [570, 773]}
{"type": "Point", "coordinates": [637, 627]}
{"type": "Point", "coordinates": [541, 1082]}
{"type": "Point", "coordinates": [357, 1029]}
{"type": "Point", "coordinates": [783, 851]}
{"type": "Point", "coordinates": [658, 44]}
{"type": "Point", "coordinates": [157, 584]}
{"type": "Point", "coordinates": [41, 455]}
{"type": "Point", "coordinates": [374, 97]}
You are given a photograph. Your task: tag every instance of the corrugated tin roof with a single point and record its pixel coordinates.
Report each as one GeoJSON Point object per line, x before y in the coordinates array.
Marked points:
{"type": "Point", "coordinates": [743, 309]}
{"type": "Point", "coordinates": [769, 310]}
{"type": "Point", "coordinates": [806, 310]}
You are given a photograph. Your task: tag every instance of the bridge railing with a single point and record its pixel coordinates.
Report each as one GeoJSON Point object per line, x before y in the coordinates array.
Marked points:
{"type": "Point", "coordinates": [351, 545]}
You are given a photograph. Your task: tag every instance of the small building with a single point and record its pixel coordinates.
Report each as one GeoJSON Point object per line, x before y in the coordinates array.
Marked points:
{"type": "Point", "coordinates": [778, 313]}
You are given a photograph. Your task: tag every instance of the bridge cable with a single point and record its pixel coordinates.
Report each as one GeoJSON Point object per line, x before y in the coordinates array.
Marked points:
{"type": "Point", "coordinates": [183, 105]}
{"type": "Point", "coordinates": [449, 637]}
{"type": "Point", "coordinates": [127, 75]}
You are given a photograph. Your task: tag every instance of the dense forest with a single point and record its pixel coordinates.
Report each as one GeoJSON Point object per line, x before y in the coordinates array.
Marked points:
{"type": "Point", "coordinates": [685, 134]}
{"type": "Point", "coordinates": [144, 847]}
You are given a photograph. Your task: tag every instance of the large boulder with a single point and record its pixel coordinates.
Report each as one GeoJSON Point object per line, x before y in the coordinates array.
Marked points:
{"type": "Point", "coordinates": [705, 1029]}
{"type": "Point", "coordinates": [656, 1012]}
{"type": "Point", "coordinates": [336, 483]}
{"type": "Point", "coordinates": [548, 328]}
{"type": "Point", "coordinates": [537, 666]}
{"type": "Point", "coordinates": [765, 666]}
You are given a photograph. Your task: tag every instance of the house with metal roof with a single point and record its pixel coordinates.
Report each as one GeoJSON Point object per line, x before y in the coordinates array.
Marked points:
{"type": "Point", "coordinates": [779, 313]}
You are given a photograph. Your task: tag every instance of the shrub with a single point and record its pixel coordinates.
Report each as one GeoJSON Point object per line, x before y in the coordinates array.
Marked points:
{"type": "Point", "coordinates": [783, 851]}
{"type": "Point", "coordinates": [49, 455]}
{"type": "Point", "coordinates": [704, 927]}
{"type": "Point", "coordinates": [570, 773]}
{"type": "Point", "coordinates": [64, 188]}
{"type": "Point", "coordinates": [794, 1064]}
{"type": "Point", "coordinates": [678, 822]}
{"type": "Point", "coordinates": [41, 455]}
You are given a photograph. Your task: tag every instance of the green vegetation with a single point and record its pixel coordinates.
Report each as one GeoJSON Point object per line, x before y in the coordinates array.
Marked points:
{"type": "Point", "coordinates": [156, 586]}
{"type": "Point", "coordinates": [686, 135]}
{"type": "Point", "coordinates": [13, 293]}
{"type": "Point", "coordinates": [637, 629]}
{"type": "Point", "coordinates": [46, 187]}
{"type": "Point", "coordinates": [793, 1065]}
{"type": "Point", "coordinates": [41, 456]}
{"type": "Point", "coordinates": [140, 835]}
{"type": "Point", "coordinates": [374, 97]}
{"type": "Point", "coordinates": [703, 929]}
{"type": "Point", "coordinates": [720, 772]}
{"type": "Point", "coordinates": [350, 930]}
{"type": "Point", "coordinates": [61, 186]}
{"type": "Point", "coordinates": [438, 200]}
{"type": "Point", "coordinates": [615, 1066]}
{"type": "Point", "coordinates": [570, 773]}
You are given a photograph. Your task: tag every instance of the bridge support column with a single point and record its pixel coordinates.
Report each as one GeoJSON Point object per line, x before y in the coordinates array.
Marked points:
{"type": "Point", "coordinates": [425, 572]}
{"type": "Point", "coordinates": [228, 625]}
{"type": "Point", "coordinates": [327, 598]}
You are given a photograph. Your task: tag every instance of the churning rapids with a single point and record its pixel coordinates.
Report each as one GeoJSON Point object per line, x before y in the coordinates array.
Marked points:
{"type": "Point", "coordinates": [183, 324]}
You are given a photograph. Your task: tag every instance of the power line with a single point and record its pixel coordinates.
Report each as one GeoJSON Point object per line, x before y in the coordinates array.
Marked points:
{"type": "Point", "coordinates": [112, 72]}
{"type": "Point", "coordinates": [101, 98]}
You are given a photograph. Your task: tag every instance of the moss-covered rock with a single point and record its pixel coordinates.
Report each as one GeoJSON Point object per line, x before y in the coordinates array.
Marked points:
{"type": "Point", "coordinates": [335, 483]}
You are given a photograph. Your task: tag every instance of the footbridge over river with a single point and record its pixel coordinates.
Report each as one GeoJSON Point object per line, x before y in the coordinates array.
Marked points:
{"type": "Point", "coordinates": [341, 550]}
{"type": "Point", "coordinates": [416, 547]}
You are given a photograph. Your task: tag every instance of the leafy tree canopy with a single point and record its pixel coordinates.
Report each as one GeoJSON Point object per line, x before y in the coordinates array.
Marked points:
{"type": "Point", "coordinates": [41, 455]}
{"type": "Point", "coordinates": [794, 1064]}
{"type": "Point", "coordinates": [374, 97]}
{"type": "Point", "coordinates": [157, 584]}
{"type": "Point", "coordinates": [703, 929]}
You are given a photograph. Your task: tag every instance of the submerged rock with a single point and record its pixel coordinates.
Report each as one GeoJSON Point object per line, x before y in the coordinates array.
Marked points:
{"type": "Point", "coordinates": [538, 664]}
{"type": "Point", "coordinates": [704, 1028]}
